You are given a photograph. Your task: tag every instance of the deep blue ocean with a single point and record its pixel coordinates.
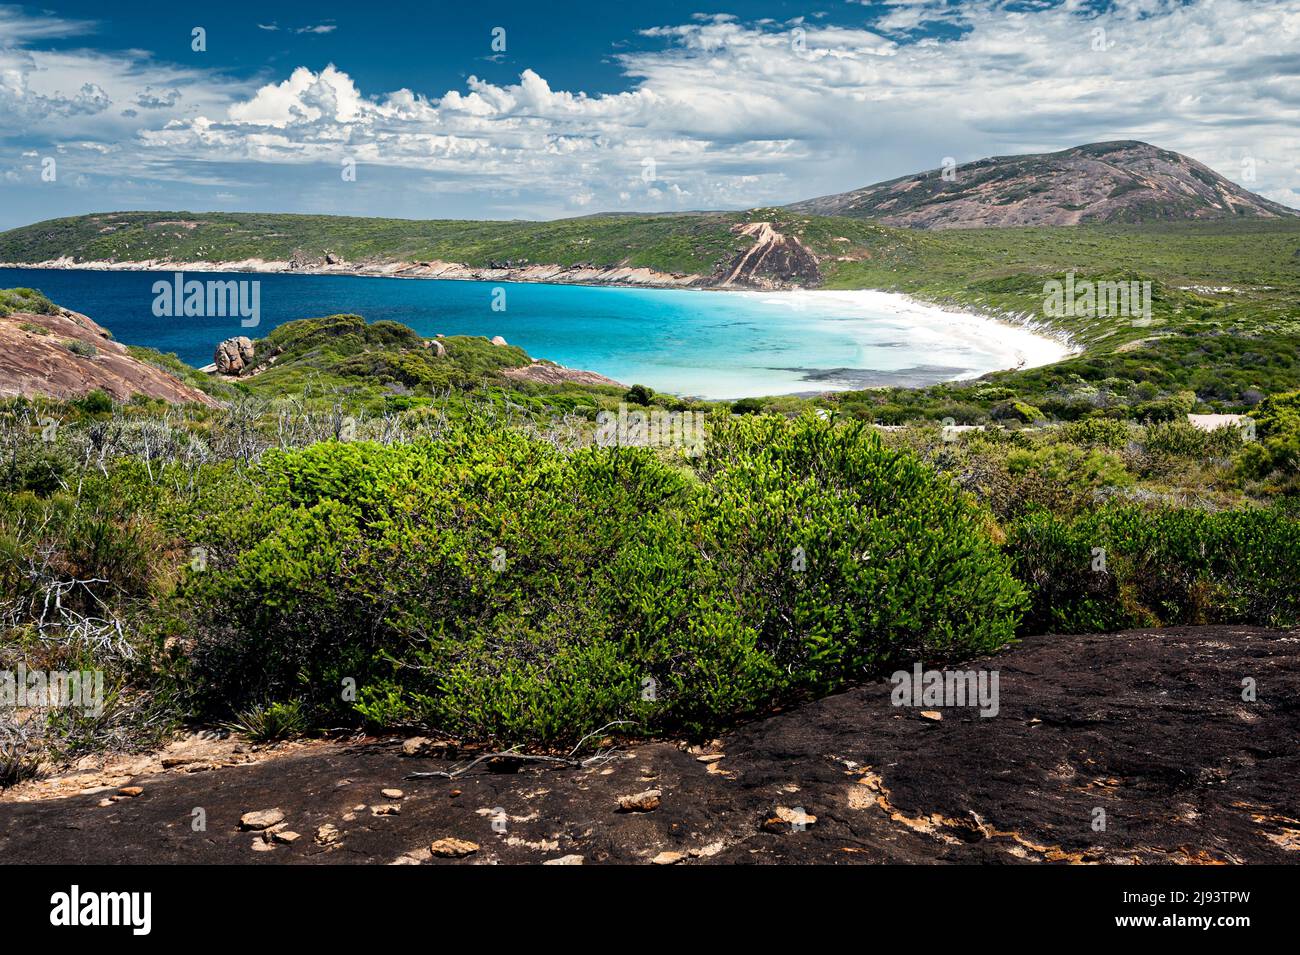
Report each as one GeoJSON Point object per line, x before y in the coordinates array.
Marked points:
{"type": "Point", "coordinates": [705, 343]}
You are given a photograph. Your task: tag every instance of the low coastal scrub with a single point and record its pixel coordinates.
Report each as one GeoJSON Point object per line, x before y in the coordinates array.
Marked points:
{"type": "Point", "coordinates": [479, 567]}
{"type": "Point", "coordinates": [1124, 566]}
{"type": "Point", "coordinates": [25, 300]}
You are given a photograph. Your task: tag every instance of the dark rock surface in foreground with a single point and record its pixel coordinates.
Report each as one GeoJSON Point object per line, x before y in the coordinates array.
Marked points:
{"type": "Point", "coordinates": [1149, 726]}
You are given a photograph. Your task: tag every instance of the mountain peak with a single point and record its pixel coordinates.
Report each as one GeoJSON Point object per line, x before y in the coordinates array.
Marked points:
{"type": "Point", "coordinates": [1118, 181]}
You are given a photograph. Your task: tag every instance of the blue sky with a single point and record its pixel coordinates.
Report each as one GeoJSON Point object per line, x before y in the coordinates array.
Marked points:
{"type": "Point", "coordinates": [613, 107]}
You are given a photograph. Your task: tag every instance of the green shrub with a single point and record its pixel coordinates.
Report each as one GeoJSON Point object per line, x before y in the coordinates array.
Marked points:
{"type": "Point", "coordinates": [1016, 410]}
{"type": "Point", "coordinates": [819, 552]}
{"type": "Point", "coordinates": [1098, 432]}
{"type": "Point", "coordinates": [639, 395]}
{"type": "Point", "coordinates": [83, 348]}
{"type": "Point", "coordinates": [493, 587]}
{"type": "Point", "coordinates": [97, 401]}
{"type": "Point", "coordinates": [1276, 450]}
{"type": "Point", "coordinates": [1128, 566]}
{"type": "Point", "coordinates": [1180, 438]}
{"type": "Point", "coordinates": [25, 300]}
{"type": "Point", "coordinates": [270, 723]}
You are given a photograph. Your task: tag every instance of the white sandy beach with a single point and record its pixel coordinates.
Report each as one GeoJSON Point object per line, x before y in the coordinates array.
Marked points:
{"type": "Point", "coordinates": [939, 333]}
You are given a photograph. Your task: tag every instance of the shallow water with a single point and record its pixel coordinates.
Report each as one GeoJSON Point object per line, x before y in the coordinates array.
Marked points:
{"type": "Point", "coordinates": [709, 344]}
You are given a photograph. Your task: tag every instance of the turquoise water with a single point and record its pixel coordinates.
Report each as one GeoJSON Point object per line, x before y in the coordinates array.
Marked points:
{"type": "Point", "coordinates": [709, 344]}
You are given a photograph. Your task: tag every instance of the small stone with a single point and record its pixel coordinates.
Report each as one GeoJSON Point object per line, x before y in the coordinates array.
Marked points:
{"type": "Point", "coordinates": [564, 860]}
{"type": "Point", "coordinates": [286, 837]}
{"type": "Point", "coordinates": [349, 817]}
{"type": "Point", "coordinates": [261, 845]}
{"type": "Point", "coordinates": [931, 715]}
{"type": "Point", "coordinates": [416, 746]}
{"type": "Point", "coordinates": [327, 835]}
{"type": "Point", "coordinates": [640, 802]}
{"type": "Point", "coordinates": [498, 340]}
{"type": "Point", "coordinates": [262, 819]}
{"type": "Point", "coordinates": [171, 762]}
{"type": "Point", "coordinates": [453, 848]}
{"type": "Point", "coordinates": [131, 791]}
{"type": "Point", "coordinates": [710, 757]}
{"type": "Point", "coordinates": [387, 809]}
{"type": "Point", "coordinates": [105, 802]}
{"type": "Point", "coordinates": [391, 793]}
{"type": "Point", "coordinates": [785, 820]}
{"type": "Point", "coordinates": [359, 807]}
{"type": "Point", "coordinates": [668, 858]}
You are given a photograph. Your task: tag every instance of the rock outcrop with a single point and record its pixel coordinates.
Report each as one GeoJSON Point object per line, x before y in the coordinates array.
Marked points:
{"type": "Point", "coordinates": [67, 355]}
{"type": "Point", "coordinates": [234, 355]}
{"type": "Point", "coordinates": [548, 373]}
{"type": "Point", "coordinates": [775, 260]}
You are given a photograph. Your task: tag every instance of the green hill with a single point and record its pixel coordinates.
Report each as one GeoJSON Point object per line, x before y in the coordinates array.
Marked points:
{"type": "Point", "coordinates": [1224, 323]}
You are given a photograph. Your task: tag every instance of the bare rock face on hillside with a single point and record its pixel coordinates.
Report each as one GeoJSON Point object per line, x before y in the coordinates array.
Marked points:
{"type": "Point", "coordinates": [775, 260]}
{"type": "Point", "coordinates": [1126, 182]}
{"type": "Point", "coordinates": [234, 355]}
{"type": "Point", "coordinates": [66, 355]}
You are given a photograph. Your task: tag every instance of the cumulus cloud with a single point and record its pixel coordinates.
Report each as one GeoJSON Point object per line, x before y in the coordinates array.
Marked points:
{"type": "Point", "coordinates": [723, 112]}
{"type": "Point", "coordinates": [731, 112]}
{"type": "Point", "coordinates": [161, 99]}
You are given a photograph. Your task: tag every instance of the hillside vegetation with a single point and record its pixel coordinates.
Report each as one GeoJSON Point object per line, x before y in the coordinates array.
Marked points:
{"type": "Point", "coordinates": [1223, 332]}
{"type": "Point", "coordinates": [683, 243]}
{"type": "Point", "coordinates": [482, 573]}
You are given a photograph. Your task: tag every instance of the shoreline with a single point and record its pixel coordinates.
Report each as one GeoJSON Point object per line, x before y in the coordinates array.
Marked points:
{"type": "Point", "coordinates": [1025, 341]}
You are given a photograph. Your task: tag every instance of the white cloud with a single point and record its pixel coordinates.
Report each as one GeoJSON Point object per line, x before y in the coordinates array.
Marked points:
{"type": "Point", "coordinates": [18, 27]}
{"type": "Point", "coordinates": [735, 113]}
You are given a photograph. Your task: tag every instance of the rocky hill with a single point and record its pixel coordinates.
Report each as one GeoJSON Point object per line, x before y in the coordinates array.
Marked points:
{"type": "Point", "coordinates": [48, 350]}
{"type": "Point", "coordinates": [1120, 182]}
